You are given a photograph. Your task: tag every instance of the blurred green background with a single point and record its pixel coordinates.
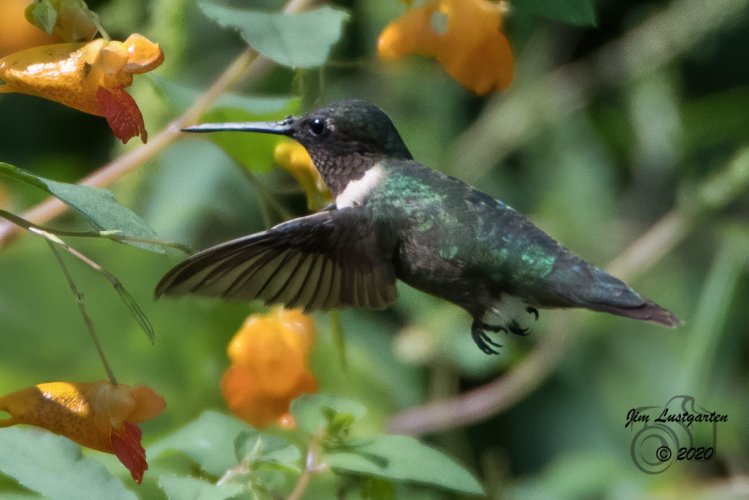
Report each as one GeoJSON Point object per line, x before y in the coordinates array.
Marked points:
{"type": "Point", "coordinates": [605, 131]}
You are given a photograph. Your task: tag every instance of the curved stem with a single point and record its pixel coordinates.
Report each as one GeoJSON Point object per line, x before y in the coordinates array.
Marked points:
{"type": "Point", "coordinates": [309, 469]}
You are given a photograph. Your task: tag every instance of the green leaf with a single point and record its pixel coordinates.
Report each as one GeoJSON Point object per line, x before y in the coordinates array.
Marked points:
{"type": "Point", "coordinates": [377, 488]}
{"type": "Point", "coordinates": [42, 14]}
{"type": "Point", "coordinates": [403, 458]}
{"type": "Point", "coordinates": [300, 40]}
{"type": "Point", "coordinates": [190, 488]}
{"type": "Point", "coordinates": [54, 466]}
{"type": "Point", "coordinates": [312, 412]}
{"type": "Point", "coordinates": [578, 12]}
{"type": "Point", "coordinates": [209, 440]}
{"type": "Point", "coordinates": [256, 448]}
{"type": "Point", "coordinates": [97, 206]}
{"type": "Point", "coordinates": [71, 20]}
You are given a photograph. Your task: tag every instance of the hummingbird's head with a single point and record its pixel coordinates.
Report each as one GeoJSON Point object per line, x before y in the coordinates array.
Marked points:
{"type": "Point", "coordinates": [344, 138]}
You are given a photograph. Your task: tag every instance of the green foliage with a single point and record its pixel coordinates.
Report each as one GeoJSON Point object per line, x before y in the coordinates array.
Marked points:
{"type": "Point", "coordinates": [190, 488]}
{"type": "Point", "coordinates": [403, 458]}
{"type": "Point", "coordinates": [579, 12]}
{"type": "Point", "coordinates": [301, 40]}
{"type": "Point", "coordinates": [97, 206]}
{"type": "Point", "coordinates": [54, 467]}
{"type": "Point", "coordinates": [214, 456]}
{"type": "Point", "coordinates": [331, 414]}
{"type": "Point", "coordinates": [264, 462]}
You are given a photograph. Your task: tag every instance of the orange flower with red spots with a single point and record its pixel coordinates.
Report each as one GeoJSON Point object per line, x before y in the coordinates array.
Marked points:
{"type": "Point", "coordinates": [98, 415]}
{"type": "Point", "coordinates": [89, 77]}
{"type": "Point", "coordinates": [269, 356]}
{"type": "Point", "coordinates": [465, 36]}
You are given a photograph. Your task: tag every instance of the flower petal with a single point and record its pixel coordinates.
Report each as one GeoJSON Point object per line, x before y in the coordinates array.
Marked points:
{"type": "Point", "coordinates": [269, 366]}
{"type": "Point", "coordinates": [472, 48]}
{"type": "Point", "coordinates": [122, 114]}
{"type": "Point", "coordinates": [60, 407]}
{"type": "Point", "coordinates": [126, 445]}
{"type": "Point", "coordinates": [99, 415]}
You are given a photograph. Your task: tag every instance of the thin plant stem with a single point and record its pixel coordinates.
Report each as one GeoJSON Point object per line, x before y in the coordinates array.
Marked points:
{"type": "Point", "coordinates": [86, 319]}
{"type": "Point", "coordinates": [310, 467]}
{"type": "Point", "coordinates": [110, 235]}
{"type": "Point", "coordinates": [116, 283]}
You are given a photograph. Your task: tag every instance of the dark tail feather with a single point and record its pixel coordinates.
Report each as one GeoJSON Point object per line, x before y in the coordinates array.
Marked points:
{"type": "Point", "coordinates": [648, 311]}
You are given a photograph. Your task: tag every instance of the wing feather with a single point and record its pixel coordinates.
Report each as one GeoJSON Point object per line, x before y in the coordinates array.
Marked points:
{"type": "Point", "coordinates": [325, 260]}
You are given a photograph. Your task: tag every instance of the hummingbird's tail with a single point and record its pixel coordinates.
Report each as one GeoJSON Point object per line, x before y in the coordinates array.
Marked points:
{"type": "Point", "coordinates": [647, 311]}
{"type": "Point", "coordinates": [600, 291]}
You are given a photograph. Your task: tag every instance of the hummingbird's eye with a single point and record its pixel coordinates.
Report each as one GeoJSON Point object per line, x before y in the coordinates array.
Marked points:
{"type": "Point", "coordinates": [317, 126]}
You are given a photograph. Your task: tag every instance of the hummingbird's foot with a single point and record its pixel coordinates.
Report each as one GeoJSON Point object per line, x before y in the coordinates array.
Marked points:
{"type": "Point", "coordinates": [515, 328]}
{"type": "Point", "coordinates": [478, 332]}
{"type": "Point", "coordinates": [532, 310]}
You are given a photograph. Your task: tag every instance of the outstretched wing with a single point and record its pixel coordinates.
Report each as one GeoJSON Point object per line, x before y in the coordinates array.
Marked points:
{"type": "Point", "coordinates": [321, 261]}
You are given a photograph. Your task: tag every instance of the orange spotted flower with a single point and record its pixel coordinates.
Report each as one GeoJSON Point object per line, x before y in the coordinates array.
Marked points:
{"type": "Point", "coordinates": [269, 356]}
{"type": "Point", "coordinates": [99, 415]}
{"type": "Point", "coordinates": [293, 158]}
{"type": "Point", "coordinates": [89, 77]}
{"type": "Point", "coordinates": [465, 36]}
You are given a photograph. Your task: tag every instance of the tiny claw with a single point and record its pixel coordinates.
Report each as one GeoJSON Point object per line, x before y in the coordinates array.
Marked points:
{"type": "Point", "coordinates": [514, 328]}
{"type": "Point", "coordinates": [482, 340]}
{"type": "Point", "coordinates": [533, 311]}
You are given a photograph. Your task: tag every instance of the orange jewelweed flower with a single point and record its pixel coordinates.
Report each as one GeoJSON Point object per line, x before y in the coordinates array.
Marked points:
{"type": "Point", "coordinates": [269, 356]}
{"type": "Point", "coordinates": [292, 157]}
{"type": "Point", "coordinates": [471, 47]}
{"type": "Point", "coordinates": [89, 77]}
{"type": "Point", "coordinates": [97, 415]}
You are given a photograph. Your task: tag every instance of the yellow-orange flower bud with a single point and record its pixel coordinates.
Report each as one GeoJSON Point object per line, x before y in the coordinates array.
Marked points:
{"type": "Point", "coordinates": [292, 157]}
{"type": "Point", "coordinates": [269, 356]}
{"type": "Point", "coordinates": [98, 415]}
{"type": "Point", "coordinates": [471, 48]}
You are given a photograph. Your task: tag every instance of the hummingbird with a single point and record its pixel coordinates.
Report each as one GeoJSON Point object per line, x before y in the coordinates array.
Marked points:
{"type": "Point", "coordinates": [393, 218]}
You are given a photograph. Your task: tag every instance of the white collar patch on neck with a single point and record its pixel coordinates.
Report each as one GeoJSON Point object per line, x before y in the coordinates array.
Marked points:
{"type": "Point", "coordinates": [357, 190]}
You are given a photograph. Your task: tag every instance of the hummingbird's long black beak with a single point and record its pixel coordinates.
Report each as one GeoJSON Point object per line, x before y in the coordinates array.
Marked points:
{"type": "Point", "coordinates": [284, 127]}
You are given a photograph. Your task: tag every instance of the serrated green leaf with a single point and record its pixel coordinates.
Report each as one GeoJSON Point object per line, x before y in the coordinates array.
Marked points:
{"type": "Point", "coordinates": [98, 206]}
{"type": "Point", "coordinates": [311, 411]}
{"type": "Point", "coordinates": [209, 440]}
{"type": "Point", "coordinates": [578, 12]}
{"type": "Point", "coordinates": [403, 458]}
{"type": "Point", "coordinates": [190, 488]}
{"type": "Point", "coordinates": [54, 466]}
{"type": "Point", "coordinates": [301, 40]}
